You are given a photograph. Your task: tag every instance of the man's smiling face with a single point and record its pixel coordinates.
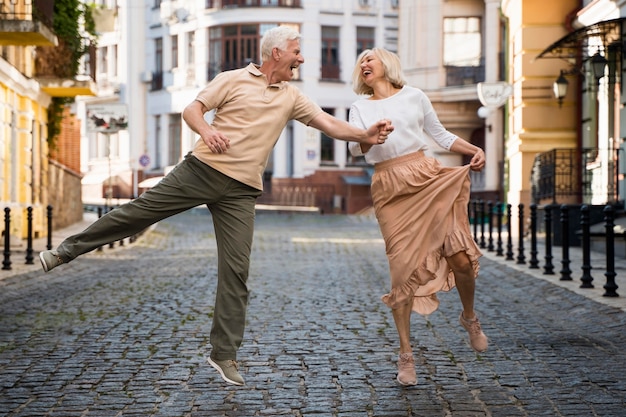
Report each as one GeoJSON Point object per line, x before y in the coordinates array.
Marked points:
{"type": "Point", "coordinates": [290, 59]}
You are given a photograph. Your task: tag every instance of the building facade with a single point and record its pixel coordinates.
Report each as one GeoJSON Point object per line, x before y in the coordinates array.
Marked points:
{"type": "Point", "coordinates": [564, 131]}
{"type": "Point", "coordinates": [450, 50]}
{"type": "Point", "coordinates": [158, 55]}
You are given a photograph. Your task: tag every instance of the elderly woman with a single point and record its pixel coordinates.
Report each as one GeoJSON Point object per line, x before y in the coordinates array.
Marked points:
{"type": "Point", "coordinates": [420, 205]}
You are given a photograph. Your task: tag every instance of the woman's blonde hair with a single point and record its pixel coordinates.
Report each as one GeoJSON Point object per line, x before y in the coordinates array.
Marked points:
{"type": "Point", "coordinates": [391, 65]}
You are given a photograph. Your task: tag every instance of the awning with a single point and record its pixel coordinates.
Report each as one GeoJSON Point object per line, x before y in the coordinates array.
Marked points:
{"type": "Point", "coordinates": [150, 182]}
{"type": "Point", "coordinates": [575, 45]}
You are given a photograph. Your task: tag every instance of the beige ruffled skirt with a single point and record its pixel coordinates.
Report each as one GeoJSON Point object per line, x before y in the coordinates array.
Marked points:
{"type": "Point", "coordinates": [421, 207]}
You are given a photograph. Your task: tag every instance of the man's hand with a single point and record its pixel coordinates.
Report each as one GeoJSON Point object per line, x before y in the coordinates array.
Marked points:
{"type": "Point", "coordinates": [378, 132]}
{"type": "Point", "coordinates": [194, 117]}
{"type": "Point", "coordinates": [215, 141]}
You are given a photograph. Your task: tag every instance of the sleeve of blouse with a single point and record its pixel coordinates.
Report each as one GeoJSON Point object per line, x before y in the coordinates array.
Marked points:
{"type": "Point", "coordinates": [355, 120]}
{"type": "Point", "coordinates": [434, 128]}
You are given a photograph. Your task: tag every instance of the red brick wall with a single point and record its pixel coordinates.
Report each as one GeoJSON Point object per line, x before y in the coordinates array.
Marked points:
{"type": "Point", "coordinates": [67, 151]}
{"type": "Point", "coordinates": [327, 184]}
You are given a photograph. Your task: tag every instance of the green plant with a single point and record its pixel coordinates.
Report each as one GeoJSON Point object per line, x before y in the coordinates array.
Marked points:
{"type": "Point", "coordinates": [74, 27]}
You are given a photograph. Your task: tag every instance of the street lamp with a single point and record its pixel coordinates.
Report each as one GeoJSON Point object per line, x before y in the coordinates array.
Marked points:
{"type": "Point", "coordinates": [560, 88]}
{"type": "Point", "coordinates": [598, 65]}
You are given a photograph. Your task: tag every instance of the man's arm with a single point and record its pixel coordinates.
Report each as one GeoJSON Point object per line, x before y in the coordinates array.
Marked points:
{"type": "Point", "coordinates": [376, 134]}
{"type": "Point", "coordinates": [193, 115]}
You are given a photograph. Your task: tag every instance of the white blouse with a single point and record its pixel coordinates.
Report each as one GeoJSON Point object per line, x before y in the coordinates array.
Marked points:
{"type": "Point", "coordinates": [413, 117]}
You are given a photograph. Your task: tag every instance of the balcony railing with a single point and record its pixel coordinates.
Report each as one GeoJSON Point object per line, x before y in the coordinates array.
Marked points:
{"type": "Point", "coordinates": [38, 10]}
{"type": "Point", "coordinates": [27, 22]}
{"type": "Point", "coordinates": [589, 175]}
{"type": "Point", "coordinates": [457, 76]}
{"type": "Point", "coordinates": [227, 4]}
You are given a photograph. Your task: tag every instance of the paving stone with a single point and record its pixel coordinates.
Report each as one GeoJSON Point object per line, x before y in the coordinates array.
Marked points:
{"type": "Point", "coordinates": [126, 332]}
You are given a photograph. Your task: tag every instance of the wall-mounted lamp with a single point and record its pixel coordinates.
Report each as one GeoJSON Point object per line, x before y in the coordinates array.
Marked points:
{"type": "Point", "coordinates": [560, 88]}
{"type": "Point", "coordinates": [483, 112]}
{"type": "Point", "coordinates": [598, 64]}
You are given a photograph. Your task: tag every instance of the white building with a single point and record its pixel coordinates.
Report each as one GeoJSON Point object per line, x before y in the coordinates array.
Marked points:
{"type": "Point", "coordinates": [160, 53]}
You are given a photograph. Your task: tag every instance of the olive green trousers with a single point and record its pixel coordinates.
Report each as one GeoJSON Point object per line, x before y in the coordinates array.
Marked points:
{"type": "Point", "coordinates": [232, 205]}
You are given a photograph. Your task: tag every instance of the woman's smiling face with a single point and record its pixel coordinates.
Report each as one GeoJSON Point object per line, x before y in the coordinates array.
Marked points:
{"type": "Point", "coordinates": [371, 68]}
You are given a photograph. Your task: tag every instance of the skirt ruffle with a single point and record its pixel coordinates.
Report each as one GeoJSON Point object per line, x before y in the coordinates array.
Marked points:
{"type": "Point", "coordinates": [421, 207]}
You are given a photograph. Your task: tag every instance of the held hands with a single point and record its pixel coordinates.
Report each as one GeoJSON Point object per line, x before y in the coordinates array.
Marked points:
{"type": "Point", "coordinates": [378, 132]}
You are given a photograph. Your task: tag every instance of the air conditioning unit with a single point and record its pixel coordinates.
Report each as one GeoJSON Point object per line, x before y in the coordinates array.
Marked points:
{"type": "Point", "coordinates": [146, 77]}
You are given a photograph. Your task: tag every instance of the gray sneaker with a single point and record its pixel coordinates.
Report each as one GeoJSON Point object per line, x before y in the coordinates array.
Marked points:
{"type": "Point", "coordinates": [228, 370]}
{"type": "Point", "coordinates": [50, 259]}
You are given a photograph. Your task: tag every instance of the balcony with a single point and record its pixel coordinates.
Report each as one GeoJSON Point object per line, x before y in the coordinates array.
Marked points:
{"type": "Point", "coordinates": [27, 23]}
{"type": "Point", "coordinates": [587, 175]}
{"type": "Point", "coordinates": [458, 76]}
{"type": "Point", "coordinates": [230, 4]}
{"type": "Point", "coordinates": [54, 74]}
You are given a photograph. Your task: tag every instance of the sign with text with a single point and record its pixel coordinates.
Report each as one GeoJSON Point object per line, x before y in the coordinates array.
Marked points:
{"type": "Point", "coordinates": [107, 118]}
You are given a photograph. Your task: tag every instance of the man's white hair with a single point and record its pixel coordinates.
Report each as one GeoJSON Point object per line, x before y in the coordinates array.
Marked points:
{"type": "Point", "coordinates": [277, 38]}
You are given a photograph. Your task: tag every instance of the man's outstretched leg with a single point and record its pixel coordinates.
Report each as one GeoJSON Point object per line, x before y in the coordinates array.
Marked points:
{"type": "Point", "coordinates": [186, 186]}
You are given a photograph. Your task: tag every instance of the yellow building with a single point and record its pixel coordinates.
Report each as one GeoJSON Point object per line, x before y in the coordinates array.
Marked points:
{"type": "Point", "coordinates": [564, 136]}
{"type": "Point", "coordinates": [23, 118]}
{"type": "Point", "coordinates": [536, 122]}
{"type": "Point", "coordinates": [28, 178]}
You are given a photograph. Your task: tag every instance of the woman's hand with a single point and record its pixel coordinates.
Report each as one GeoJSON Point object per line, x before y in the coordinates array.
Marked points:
{"type": "Point", "coordinates": [477, 162]}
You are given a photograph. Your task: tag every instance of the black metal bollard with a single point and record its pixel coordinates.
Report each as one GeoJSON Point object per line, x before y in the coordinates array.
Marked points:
{"type": "Point", "coordinates": [586, 279]}
{"type": "Point", "coordinates": [509, 238]}
{"type": "Point", "coordinates": [29, 237]}
{"type": "Point", "coordinates": [6, 263]}
{"type": "Point", "coordinates": [610, 287]}
{"type": "Point", "coordinates": [548, 268]}
{"type": "Point", "coordinates": [499, 212]}
{"type": "Point", "coordinates": [534, 262]}
{"type": "Point", "coordinates": [481, 212]}
{"type": "Point", "coordinates": [49, 218]}
{"type": "Point", "coordinates": [566, 273]}
{"type": "Point", "coordinates": [111, 244]}
{"type": "Point", "coordinates": [490, 217]}
{"type": "Point", "coordinates": [521, 258]}
{"type": "Point", "coordinates": [474, 213]}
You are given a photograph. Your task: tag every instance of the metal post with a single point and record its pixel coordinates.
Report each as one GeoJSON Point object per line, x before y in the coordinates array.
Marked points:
{"type": "Point", "coordinates": [566, 273]}
{"type": "Point", "coordinates": [521, 258]}
{"type": "Point", "coordinates": [534, 262]}
{"type": "Point", "coordinates": [610, 287]}
{"type": "Point", "coordinates": [6, 263]}
{"type": "Point", "coordinates": [548, 268]}
{"type": "Point", "coordinates": [586, 279]}
{"type": "Point", "coordinates": [29, 237]}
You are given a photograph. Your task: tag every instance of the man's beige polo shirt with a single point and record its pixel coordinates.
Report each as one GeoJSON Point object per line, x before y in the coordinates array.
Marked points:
{"type": "Point", "coordinates": [251, 114]}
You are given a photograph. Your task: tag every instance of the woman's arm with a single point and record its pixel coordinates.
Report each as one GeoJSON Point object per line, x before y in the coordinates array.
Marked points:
{"type": "Point", "coordinates": [477, 163]}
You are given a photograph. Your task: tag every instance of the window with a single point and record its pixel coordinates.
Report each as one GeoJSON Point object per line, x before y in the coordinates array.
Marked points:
{"type": "Point", "coordinates": [157, 76]}
{"type": "Point", "coordinates": [157, 142]}
{"type": "Point", "coordinates": [462, 41]}
{"type": "Point", "coordinates": [364, 39]}
{"type": "Point", "coordinates": [191, 45]}
{"type": "Point", "coordinates": [114, 57]}
{"type": "Point", "coordinates": [174, 51]}
{"type": "Point", "coordinates": [330, 52]}
{"type": "Point", "coordinates": [232, 46]}
{"type": "Point", "coordinates": [328, 145]}
{"type": "Point", "coordinates": [174, 139]}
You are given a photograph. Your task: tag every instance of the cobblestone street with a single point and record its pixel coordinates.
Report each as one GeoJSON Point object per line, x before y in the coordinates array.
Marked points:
{"type": "Point", "coordinates": [124, 332]}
